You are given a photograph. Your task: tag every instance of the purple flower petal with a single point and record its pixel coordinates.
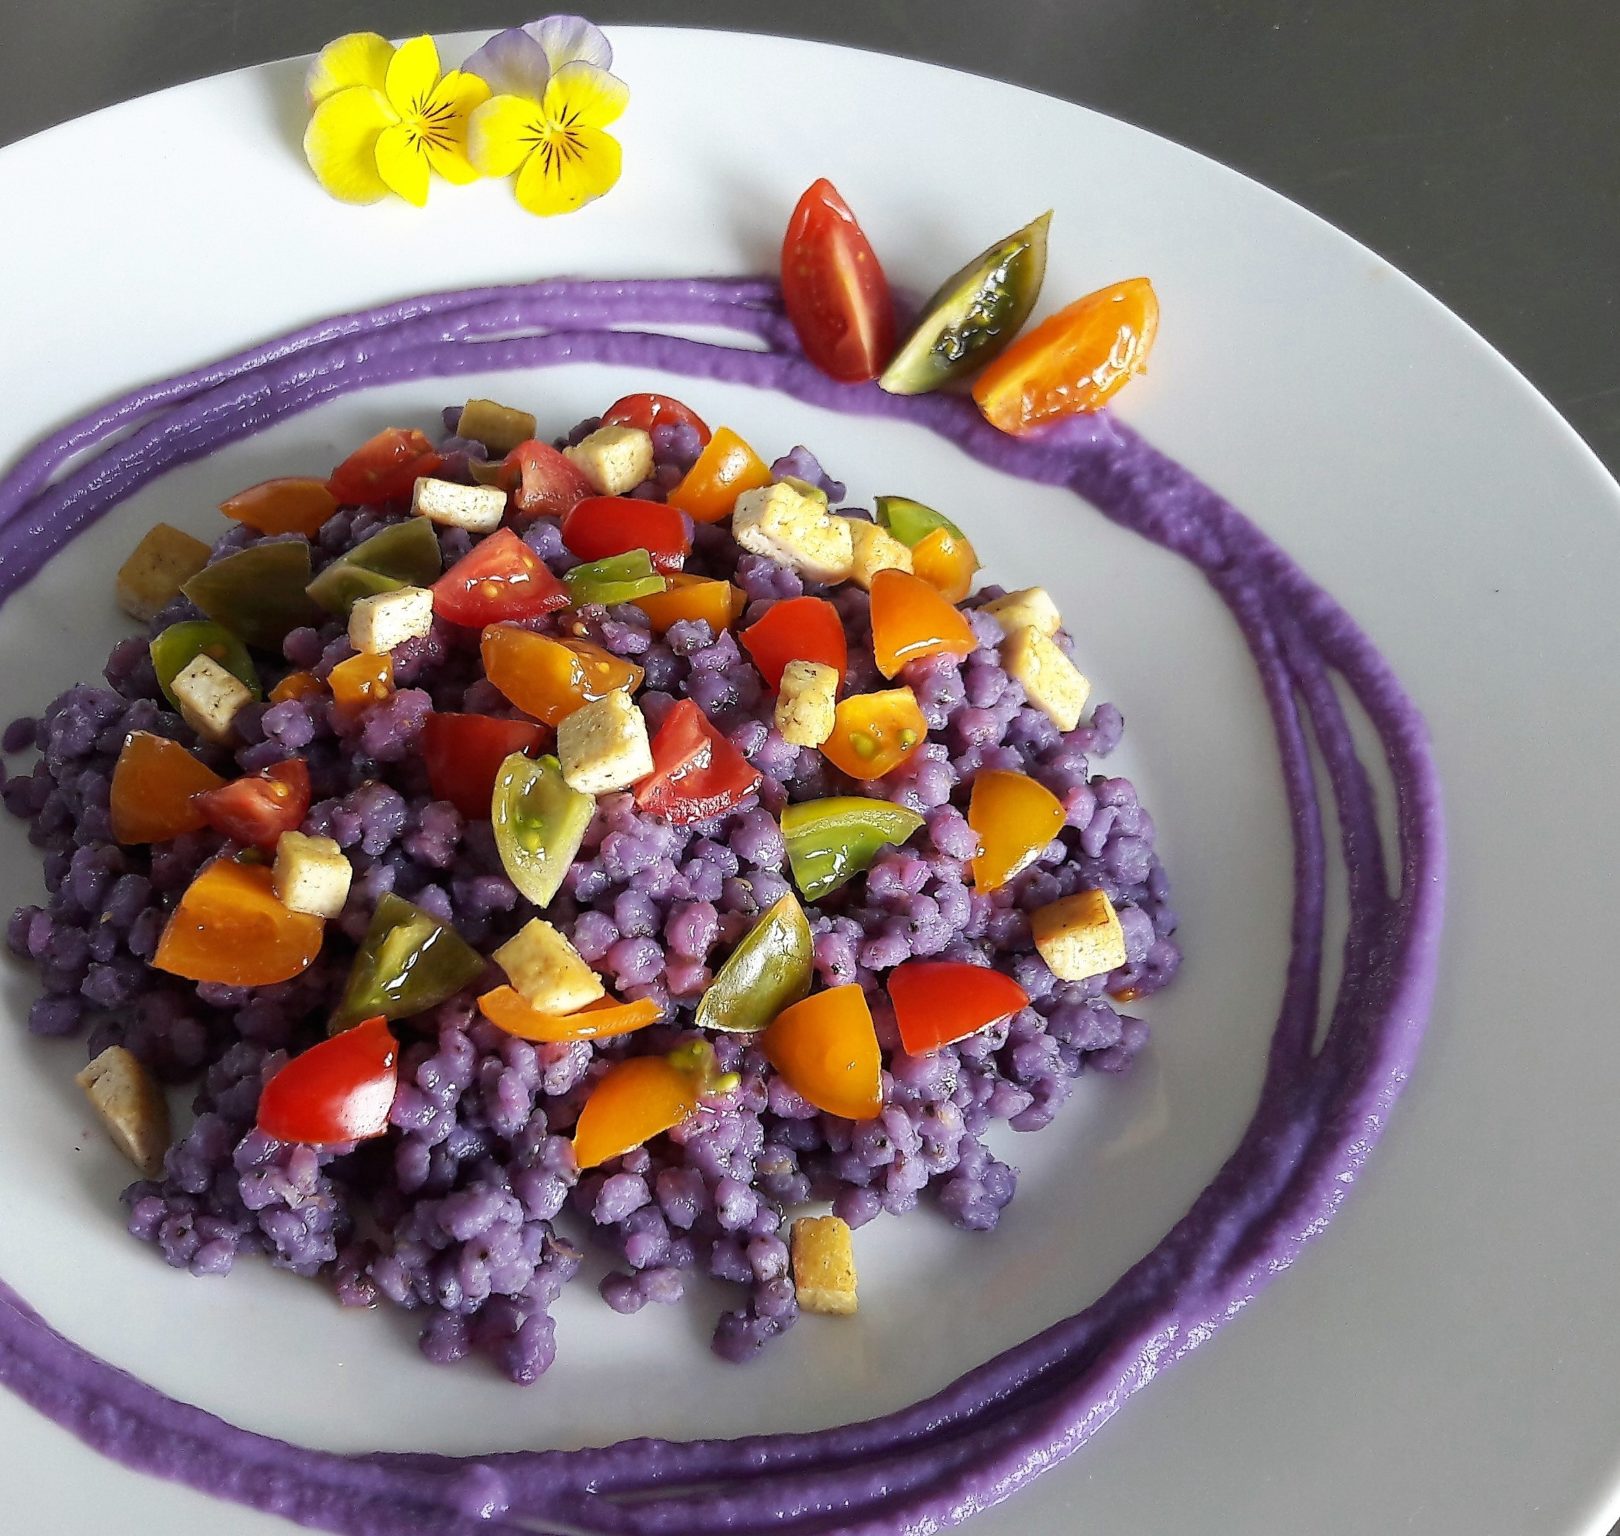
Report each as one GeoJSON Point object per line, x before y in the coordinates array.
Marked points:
{"type": "Point", "coordinates": [513, 63]}
{"type": "Point", "coordinates": [566, 38]}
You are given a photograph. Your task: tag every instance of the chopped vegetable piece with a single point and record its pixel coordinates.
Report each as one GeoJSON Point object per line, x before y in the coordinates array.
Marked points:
{"type": "Point", "coordinates": [290, 504]}
{"type": "Point", "coordinates": [630, 1104]}
{"type": "Point", "coordinates": [339, 1090]}
{"type": "Point", "coordinates": [499, 578]}
{"type": "Point", "coordinates": [798, 629]}
{"type": "Point", "coordinates": [541, 482]}
{"type": "Point", "coordinates": [600, 526]}
{"type": "Point", "coordinates": [230, 928]}
{"type": "Point", "coordinates": [973, 314]}
{"type": "Point", "coordinates": [1079, 936]}
{"type": "Point", "coordinates": [258, 593]}
{"type": "Point", "coordinates": [910, 521]}
{"type": "Point", "coordinates": [360, 682]}
{"type": "Point", "coordinates": [311, 874]}
{"type": "Point", "coordinates": [1015, 819]}
{"type": "Point", "coordinates": [717, 603]}
{"type": "Point", "coordinates": [614, 459]}
{"type": "Point", "coordinates": [408, 962]}
{"type": "Point", "coordinates": [210, 698]}
{"type": "Point", "coordinates": [400, 555]}
{"type": "Point", "coordinates": [596, 1021]}
{"type": "Point", "coordinates": [173, 650]}
{"type": "Point", "coordinates": [257, 809]}
{"type": "Point", "coordinates": [649, 411]}
{"type": "Point", "coordinates": [834, 839]}
{"type": "Point", "coordinates": [834, 290]}
{"type": "Point", "coordinates": [157, 569]}
{"type": "Point", "coordinates": [383, 468]}
{"type": "Point", "coordinates": [1073, 362]}
{"type": "Point", "coordinates": [770, 969]}
{"type": "Point", "coordinates": [131, 1105]}
{"type": "Point", "coordinates": [947, 563]}
{"type": "Point", "coordinates": [910, 620]}
{"type": "Point", "coordinates": [721, 473]}
{"type": "Point", "coordinates": [548, 677]}
{"type": "Point", "coordinates": [827, 1050]}
{"type": "Point", "coordinates": [297, 685]}
{"type": "Point", "coordinates": [603, 745]}
{"type": "Point", "coordinates": [539, 823]}
{"type": "Point", "coordinates": [465, 753]}
{"type": "Point", "coordinates": [154, 785]}
{"type": "Point", "coordinates": [823, 1265]}
{"type": "Point", "coordinates": [874, 733]}
{"type": "Point", "coordinates": [697, 773]}
{"type": "Point", "coordinates": [937, 1002]}
{"type": "Point", "coordinates": [546, 971]}
{"type": "Point", "coordinates": [617, 579]}
{"type": "Point", "coordinates": [806, 703]}
{"type": "Point", "coordinates": [500, 428]}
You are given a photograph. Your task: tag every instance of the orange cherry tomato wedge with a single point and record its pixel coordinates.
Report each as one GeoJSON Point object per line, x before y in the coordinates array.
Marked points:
{"type": "Point", "coordinates": [649, 411]}
{"type": "Point", "coordinates": [1015, 818]}
{"type": "Point", "coordinates": [595, 1021]}
{"type": "Point", "coordinates": [633, 1102]}
{"type": "Point", "coordinates": [717, 603]}
{"type": "Point", "coordinates": [910, 620]}
{"type": "Point", "coordinates": [874, 733]}
{"type": "Point", "coordinates": [360, 682]}
{"type": "Point", "coordinates": [947, 562]}
{"type": "Point", "coordinates": [833, 288]}
{"type": "Point", "coordinates": [721, 473]}
{"type": "Point", "coordinates": [797, 629]}
{"type": "Point", "coordinates": [551, 678]}
{"type": "Point", "coordinates": [230, 928]}
{"type": "Point", "coordinates": [297, 685]}
{"type": "Point", "coordinates": [1073, 362]}
{"type": "Point", "coordinates": [154, 785]}
{"type": "Point", "coordinates": [339, 1090]}
{"type": "Point", "coordinates": [383, 468]}
{"type": "Point", "coordinates": [291, 504]}
{"type": "Point", "coordinates": [937, 1002]}
{"type": "Point", "coordinates": [827, 1050]}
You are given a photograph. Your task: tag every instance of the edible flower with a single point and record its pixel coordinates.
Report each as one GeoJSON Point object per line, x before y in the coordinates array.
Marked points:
{"type": "Point", "coordinates": [544, 123]}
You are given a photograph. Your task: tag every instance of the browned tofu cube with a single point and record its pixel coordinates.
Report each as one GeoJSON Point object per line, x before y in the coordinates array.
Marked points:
{"type": "Point", "coordinates": [824, 1265]}
{"type": "Point", "coordinates": [157, 568]}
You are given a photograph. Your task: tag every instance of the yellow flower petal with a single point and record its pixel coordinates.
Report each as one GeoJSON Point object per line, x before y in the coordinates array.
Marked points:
{"type": "Point", "coordinates": [582, 94]}
{"type": "Point", "coordinates": [502, 132]}
{"type": "Point", "coordinates": [412, 73]}
{"type": "Point", "coordinates": [402, 163]}
{"type": "Point", "coordinates": [460, 92]}
{"type": "Point", "coordinates": [449, 159]}
{"type": "Point", "coordinates": [567, 170]}
{"type": "Point", "coordinates": [340, 143]}
{"type": "Point", "coordinates": [357, 58]}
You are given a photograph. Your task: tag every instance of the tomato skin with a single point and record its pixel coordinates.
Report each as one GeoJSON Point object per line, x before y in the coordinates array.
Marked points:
{"type": "Point", "coordinates": [550, 677]}
{"type": "Point", "coordinates": [875, 733]}
{"type": "Point", "coordinates": [384, 468]}
{"type": "Point", "coordinates": [1015, 818]}
{"type": "Point", "coordinates": [632, 1102]}
{"type": "Point", "coordinates": [937, 1002]}
{"type": "Point", "coordinates": [600, 1020]}
{"type": "Point", "coordinates": [717, 603]}
{"type": "Point", "coordinates": [826, 1049]}
{"type": "Point", "coordinates": [256, 810]}
{"type": "Point", "coordinates": [797, 629]}
{"type": "Point", "coordinates": [697, 773]}
{"type": "Point", "coordinates": [542, 481]}
{"type": "Point", "coordinates": [911, 620]}
{"type": "Point", "coordinates": [464, 754]}
{"type": "Point", "coordinates": [229, 927]}
{"type": "Point", "coordinates": [721, 473]}
{"type": "Point", "coordinates": [155, 785]}
{"type": "Point", "coordinates": [601, 526]}
{"type": "Point", "coordinates": [289, 504]}
{"type": "Point", "coordinates": [834, 289]}
{"type": "Point", "coordinates": [339, 1090]}
{"type": "Point", "coordinates": [649, 411]}
{"type": "Point", "coordinates": [499, 578]}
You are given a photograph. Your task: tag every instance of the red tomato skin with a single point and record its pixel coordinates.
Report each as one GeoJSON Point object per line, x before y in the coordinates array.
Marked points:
{"type": "Point", "coordinates": [257, 809]}
{"type": "Point", "coordinates": [500, 578]}
{"type": "Point", "coordinates": [697, 773]}
{"type": "Point", "coordinates": [339, 1090]}
{"type": "Point", "coordinates": [542, 481]}
{"type": "Point", "coordinates": [649, 411]}
{"type": "Point", "coordinates": [384, 468]}
{"type": "Point", "coordinates": [601, 526]}
{"type": "Point", "coordinates": [797, 629]}
{"type": "Point", "coordinates": [938, 1002]}
{"type": "Point", "coordinates": [834, 289]}
{"type": "Point", "coordinates": [464, 754]}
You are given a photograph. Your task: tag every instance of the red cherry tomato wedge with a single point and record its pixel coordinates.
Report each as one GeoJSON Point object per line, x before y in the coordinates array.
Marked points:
{"type": "Point", "coordinates": [542, 481]}
{"type": "Point", "coordinates": [797, 629]}
{"type": "Point", "coordinates": [500, 578]}
{"type": "Point", "coordinates": [464, 754]}
{"type": "Point", "coordinates": [601, 526]}
{"type": "Point", "coordinates": [256, 810]}
{"type": "Point", "coordinates": [696, 773]}
{"type": "Point", "coordinates": [384, 468]}
{"type": "Point", "coordinates": [339, 1090]}
{"type": "Point", "coordinates": [835, 292]}
{"type": "Point", "coordinates": [937, 1002]}
{"type": "Point", "coordinates": [649, 411]}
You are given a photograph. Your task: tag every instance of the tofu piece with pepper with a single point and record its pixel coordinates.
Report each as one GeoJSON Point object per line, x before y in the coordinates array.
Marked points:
{"type": "Point", "coordinates": [546, 970]}
{"type": "Point", "coordinates": [311, 874]}
{"type": "Point", "coordinates": [1079, 936]}
{"type": "Point", "coordinates": [1031, 608]}
{"type": "Point", "coordinates": [209, 697]}
{"type": "Point", "coordinates": [784, 525]}
{"type": "Point", "coordinates": [477, 508]}
{"type": "Point", "coordinates": [824, 1265]}
{"type": "Point", "coordinates": [500, 428]}
{"type": "Point", "coordinates": [380, 622]}
{"type": "Point", "coordinates": [874, 549]}
{"type": "Point", "coordinates": [807, 703]}
{"type": "Point", "coordinates": [157, 568]}
{"type": "Point", "coordinates": [130, 1104]}
{"type": "Point", "coordinates": [613, 459]}
{"type": "Point", "coordinates": [603, 745]}
{"type": "Point", "coordinates": [1051, 681]}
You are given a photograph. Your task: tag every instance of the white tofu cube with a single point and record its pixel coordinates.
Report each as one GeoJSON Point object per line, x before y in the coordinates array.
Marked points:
{"type": "Point", "coordinates": [477, 508]}
{"type": "Point", "coordinates": [1031, 608]}
{"type": "Point", "coordinates": [875, 549]}
{"type": "Point", "coordinates": [131, 1105]}
{"type": "Point", "coordinates": [386, 619]}
{"type": "Point", "coordinates": [209, 697]}
{"type": "Point", "coordinates": [613, 459]}
{"type": "Point", "coordinates": [311, 874]}
{"type": "Point", "coordinates": [500, 428]}
{"type": "Point", "coordinates": [1079, 936]}
{"type": "Point", "coordinates": [1052, 682]}
{"type": "Point", "coordinates": [157, 568]}
{"type": "Point", "coordinates": [780, 523]}
{"type": "Point", "coordinates": [603, 746]}
{"type": "Point", "coordinates": [546, 970]}
{"type": "Point", "coordinates": [824, 1265]}
{"type": "Point", "coordinates": [807, 703]}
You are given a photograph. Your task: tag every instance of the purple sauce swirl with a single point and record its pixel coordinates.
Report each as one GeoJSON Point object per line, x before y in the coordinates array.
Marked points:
{"type": "Point", "coordinates": [934, 1464]}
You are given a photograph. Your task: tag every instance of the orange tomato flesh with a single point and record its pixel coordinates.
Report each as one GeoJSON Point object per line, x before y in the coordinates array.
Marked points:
{"type": "Point", "coordinates": [551, 678]}
{"type": "Point", "coordinates": [718, 603]}
{"type": "Point", "coordinates": [595, 1021]}
{"type": "Point", "coordinates": [948, 564]}
{"type": "Point", "coordinates": [910, 620]}
{"type": "Point", "coordinates": [721, 473]}
{"type": "Point", "coordinates": [360, 682]}
{"type": "Point", "coordinates": [1015, 818]}
{"type": "Point", "coordinates": [292, 504]}
{"type": "Point", "coordinates": [153, 785]}
{"type": "Point", "coordinates": [874, 733]}
{"type": "Point", "coordinates": [633, 1102]}
{"type": "Point", "coordinates": [230, 928]}
{"type": "Point", "coordinates": [296, 685]}
{"type": "Point", "coordinates": [827, 1050]}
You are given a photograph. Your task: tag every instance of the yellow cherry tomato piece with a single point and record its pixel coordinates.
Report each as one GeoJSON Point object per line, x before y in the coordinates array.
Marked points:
{"type": "Point", "coordinates": [548, 677]}
{"type": "Point", "coordinates": [718, 603]}
{"type": "Point", "coordinates": [291, 504]}
{"type": "Point", "coordinates": [722, 472]}
{"type": "Point", "coordinates": [827, 1050]}
{"type": "Point", "coordinates": [595, 1021]}
{"type": "Point", "coordinates": [874, 733]}
{"type": "Point", "coordinates": [910, 620]}
{"type": "Point", "coordinates": [947, 562]}
{"type": "Point", "coordinates": [230, 928]}
{"type": "Point", "coordinates": [633, 1102]}
{"type": "Point", "coordinates": [1015, 818]}
{"type": "Point", "coordinates": [297, 685]}
{"type": "Point", "coordinates": [360, 682]}
{"type": "Point", "coordinates": [154, 783]}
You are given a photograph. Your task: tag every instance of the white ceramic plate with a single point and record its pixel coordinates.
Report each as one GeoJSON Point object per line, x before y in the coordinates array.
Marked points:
{"type": "Point", "coordinates": [1444, 1360]}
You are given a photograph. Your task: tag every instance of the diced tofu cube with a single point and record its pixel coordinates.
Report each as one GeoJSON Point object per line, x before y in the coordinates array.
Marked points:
{"type": "Point", "coordinates": [500, 428]}
{"type": "Point", "coordinates": [311, 874]}
{"type": "Point", "coordinates": [614, 459]}
{"type": "Point", "coordinates": [824, 1265]}
{"type": "Point", "coordinates": [807, 702]}
{"type": "Point", "coordinates": [1052, 682]}
{"type": "Point", "coordinates": [386, 619]}
{"type": "Point", "coordinates": [157, 568]}
{"type": "Point", "coordinates": [477, 508]}
{"type": "Point", "coordinates": [780, 523]}
{"type": "Point", "coordinates": [1079, 936]}
{"type": "Point", "coordinates": [875, 549]}
{"type": "Point", "coordinates": [603, 746]}
{"type": "Point", "coordinates": [1031, 608]}
{"type": "Point", "coordinates": [546, 970]}
{"type": "Point", "coordinates": [209, 697]}
{"type": "Point", "coordinates": [131, 1105]}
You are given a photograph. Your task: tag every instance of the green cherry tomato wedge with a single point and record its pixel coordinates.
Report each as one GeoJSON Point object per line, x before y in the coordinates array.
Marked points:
{"type": "Point", "coordinates": [409, 961]}
{"type": "Point", "coordinates": [615, 579]}
{"type": "Point", "coordinates": [257, 593]}
{"type": "Point", "coordinates": [400, 555]}
{"type": "Point", "coordinates": [539, 824]}
{"type": "Point", "coordinates": [973, 314]}
{"type": "Point", "coordinates": [180, 644]}
{"type": "Point", "coordinates": [764, 974]}
{"type": "Point", "coordinates": [834, 839]}
{"type": "Point", "coordinates": [910, 521]}
{"type": "Point", "coordinates": [339, 1090]}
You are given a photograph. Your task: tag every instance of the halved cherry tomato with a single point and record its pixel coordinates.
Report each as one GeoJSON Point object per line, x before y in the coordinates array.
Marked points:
{"type": "Point", "coordinates": [297, 685]}
{"type": "Point", "coordinates": [910, 620]}
{"type": "Point", "coordinates": [595, 1021]}
{"type": "Point", "coordinates": [946, 562]}
{"type": "Point", "coordinates": [649, 411]}
{"type": "Point", "coordinates": [633, 1102]}
{"type": "Point", "coordinates": [601, 526]}
{"type": "Point", "coordinates": [230, 928]}
{"type": "Point", "coordinates": [1015, 818]}
{"type": "Point", "coordinates": [464, 753]}
{"type": "Point", "coordinates": [717, 603]}
{"type": "Point", "coordinates": [827, 1050]}
{"type": "Point", "coordinates": [937, 1002]}
{"type": "Point", "coordinates": [499, 578]}
{"type": "Point", "coordinates": [155, 783]}
{"type": "Point", "coordinates": [551, 678]}
{"type": "Point", "coordinates": [696, 773]}
{"type": "Point", "coordinates": [1073, 362]}
{"type": "Point", "coordinates": [360, 682]}
{"type": "Point", "coordinates": [834, 290]}
{"type": "Point", "coordinates": [383, 468]}
{"type": "Point", "coordinates": [874, 733]}
{"type": "Point", "coordinates": [797, 629]}
{"type": "Point", "coordinates": [721, 473]}
{"type": "Point", "coordinates": [339, 1090]}
{"type": "Point", "coordinates": [256, 810]}
{"type": "Point", "coordinates": [542, 481]}
{"type": "Point", "coordinates": [290, 504]}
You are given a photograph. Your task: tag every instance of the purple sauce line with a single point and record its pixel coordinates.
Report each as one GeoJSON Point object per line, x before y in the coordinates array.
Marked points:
{"type": "Point", "coordinates": [930, 1466]}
